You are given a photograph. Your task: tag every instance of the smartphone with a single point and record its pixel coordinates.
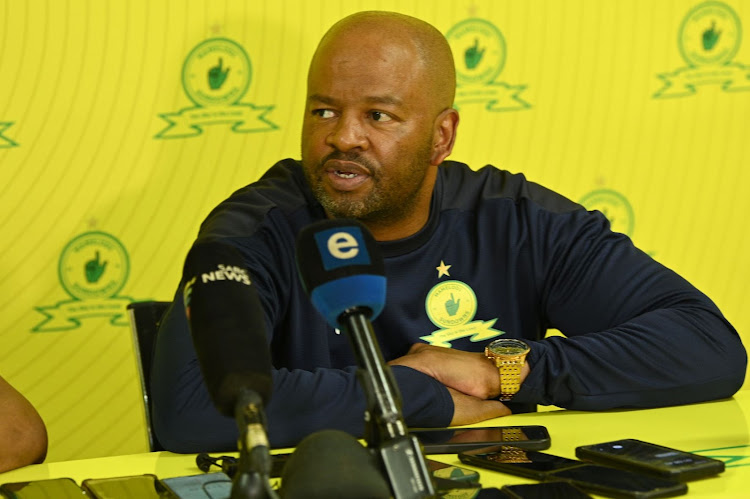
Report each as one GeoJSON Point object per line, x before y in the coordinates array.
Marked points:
{"type": "Point", "coordinates": [206, 486]}
{"type": "Point", "coordinates": [59, 488]}
{"type": "Point", "coordinates": [141, 486]}
{"type": "Point", "coordinates": [455, 440]}
{"type": "Point", "coordinates": [517, 461]}
{"type": "Point", "coordinates": [604, 480]}
{"type": "Point", "coordinates": [544, 490]}
{"type": "Point", "coordinates": [656, 460]}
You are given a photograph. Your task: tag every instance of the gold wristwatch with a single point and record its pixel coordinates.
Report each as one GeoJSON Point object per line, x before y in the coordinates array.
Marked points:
{"type": "Point", "coordinates": [509, 355]}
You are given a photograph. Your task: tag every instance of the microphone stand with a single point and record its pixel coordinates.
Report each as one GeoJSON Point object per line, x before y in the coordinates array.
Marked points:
{"type": "Point", "coordinates": [252, 478]}
{"type": "Point", "coordinates": [400, 454]}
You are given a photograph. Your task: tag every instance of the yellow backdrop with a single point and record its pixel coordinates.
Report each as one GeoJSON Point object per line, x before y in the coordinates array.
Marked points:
{"type": "Point", "coordinates": [123, 123]}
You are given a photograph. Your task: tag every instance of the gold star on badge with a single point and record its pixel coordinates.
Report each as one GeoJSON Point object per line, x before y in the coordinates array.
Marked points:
{"type": "Point", "coordinates": [443, 269]}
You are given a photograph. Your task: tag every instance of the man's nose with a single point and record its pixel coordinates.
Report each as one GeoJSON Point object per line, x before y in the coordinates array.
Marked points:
{"type": "Point", "coordinates": [349, 133]}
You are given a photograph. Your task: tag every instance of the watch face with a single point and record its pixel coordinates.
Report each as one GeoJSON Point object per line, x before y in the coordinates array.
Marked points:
{"type": "Point", "coordinates": [508, 346]}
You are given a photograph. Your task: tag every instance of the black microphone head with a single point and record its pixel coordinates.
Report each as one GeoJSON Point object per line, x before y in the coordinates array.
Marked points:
{"type": "Point", "coordinates": [332, 464]}
{"type": "Point", "coordinates": [227, 324]}
{"type": "Point", "coordinates": [341, 268]}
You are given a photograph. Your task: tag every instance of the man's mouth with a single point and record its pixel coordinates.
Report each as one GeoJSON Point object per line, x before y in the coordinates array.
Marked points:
{"type": "Point", "coordinates": [344, 174]}
{"type": "Point", "coordinates": [345, 168]}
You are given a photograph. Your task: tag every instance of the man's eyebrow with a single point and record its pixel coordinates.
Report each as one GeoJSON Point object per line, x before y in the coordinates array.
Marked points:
{"type": "Point", "coordinates": [321, 98]}
{"type": "Point", "coordinates": [384, 99]}
{"type": "Point", "coordinates": [375, 99]}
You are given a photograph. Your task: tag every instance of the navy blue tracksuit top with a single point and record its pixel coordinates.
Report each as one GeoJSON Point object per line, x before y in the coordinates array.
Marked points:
{"type": "Point", "coordinates": [499, 256]}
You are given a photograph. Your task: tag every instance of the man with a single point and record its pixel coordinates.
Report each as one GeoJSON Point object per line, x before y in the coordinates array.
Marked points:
{"type": "Point", "coordinates": [23, 436]}
{"type": "Point", "coordinates": [471, 257]}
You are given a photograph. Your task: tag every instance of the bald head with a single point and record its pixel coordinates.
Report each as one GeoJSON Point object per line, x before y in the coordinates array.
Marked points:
{"type": "Point", "coordinates": [428, 47]}
{"type": "Point", "coordinates": [379, 119]}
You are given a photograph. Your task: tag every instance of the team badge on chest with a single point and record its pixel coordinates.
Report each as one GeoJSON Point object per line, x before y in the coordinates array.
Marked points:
{"type": "Point", "coordinates": [451, 306]}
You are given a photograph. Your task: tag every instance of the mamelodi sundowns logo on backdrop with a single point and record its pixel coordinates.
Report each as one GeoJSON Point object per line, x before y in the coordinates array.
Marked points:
{"type": "Point", "coordinates": [479, 52]}
{"type": "Point", "coordinates": [215, 76]}
{"type": "Point", "coordinates": [709, 37]}
{"type": "Point", "coordinates": [93, 268]}
{"type": "Point", "coordinates": [614, 206]}
{"type": "Point", "coordinates": [5, 141]}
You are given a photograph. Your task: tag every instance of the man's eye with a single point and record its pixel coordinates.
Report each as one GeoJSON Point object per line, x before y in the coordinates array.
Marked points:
{"type": "Point", "coordinates": [380, 116]}
{"type": "Point", "coordinates": [323, 113]}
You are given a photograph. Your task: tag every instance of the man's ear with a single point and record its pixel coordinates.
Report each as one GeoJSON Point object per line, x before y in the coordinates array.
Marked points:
{"type": "Point", "coordinates": [445, 135]}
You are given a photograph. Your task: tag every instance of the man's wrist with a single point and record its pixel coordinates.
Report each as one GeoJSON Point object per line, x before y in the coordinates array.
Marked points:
{"type": "Point", "coordinates": [509, 356]}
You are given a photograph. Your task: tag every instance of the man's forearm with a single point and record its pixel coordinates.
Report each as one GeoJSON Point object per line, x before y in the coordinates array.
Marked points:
{"type": "Point", "coordinates": [23, 435]}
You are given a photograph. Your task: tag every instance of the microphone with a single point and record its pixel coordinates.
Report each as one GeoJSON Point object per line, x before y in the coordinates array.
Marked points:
{"type": "Point", "coordinates": [331, 464]}
{"type": "Point", "coordinates": [342, 270]}
{"type": "Point", "coordinates": [228, 331]}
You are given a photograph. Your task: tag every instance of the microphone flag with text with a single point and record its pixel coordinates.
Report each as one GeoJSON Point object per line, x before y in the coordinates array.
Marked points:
{"type": "Point", "coordinates": [341, 268]}
{"type": "Point", "coordinates": [227, 327]}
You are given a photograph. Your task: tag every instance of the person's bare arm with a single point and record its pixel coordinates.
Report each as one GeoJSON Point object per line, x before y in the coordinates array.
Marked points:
{"type": "Point", "coordinates": [471, 379]}
{"type": "Point", "coordinates": [468, 409]}
{"type": "Point", "coordinates": [469, 372]}
{"type": "Point", "coordinates": [23, 435]}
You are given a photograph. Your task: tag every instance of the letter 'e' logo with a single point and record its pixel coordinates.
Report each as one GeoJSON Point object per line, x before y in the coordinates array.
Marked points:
{"type": "Point", "coordinates": [342, 246]}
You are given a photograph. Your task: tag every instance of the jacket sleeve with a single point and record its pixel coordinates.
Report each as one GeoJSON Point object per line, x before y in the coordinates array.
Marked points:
{"type": "Point", "coordinates": [637, 334]}
{"type": "Point", "coordinates": [185, 420]}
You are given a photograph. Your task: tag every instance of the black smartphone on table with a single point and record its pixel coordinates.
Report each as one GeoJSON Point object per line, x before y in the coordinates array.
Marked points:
{"type": "Point", "coordinates": [604, 480]}
{"type": "Point", "coordinates": [59, 488]}
{"type": "Point", "coordinates": [145, 486]}
{"type": "Point", "coordinates": [653, 459]}
{"type": "Point", "coordinates": [544, 490]}
{"type": "Point", "coordinates": [455, 440]}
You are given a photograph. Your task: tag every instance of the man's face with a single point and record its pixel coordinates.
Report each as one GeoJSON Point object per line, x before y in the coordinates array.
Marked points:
{"type": "Point", "coordinates": [368, 131]}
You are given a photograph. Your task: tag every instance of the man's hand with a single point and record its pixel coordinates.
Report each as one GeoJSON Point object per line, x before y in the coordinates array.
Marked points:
{"type": "Point", "coordinates": [468, 372]}
{"type": "Point", "coordinates": [468, 409]}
